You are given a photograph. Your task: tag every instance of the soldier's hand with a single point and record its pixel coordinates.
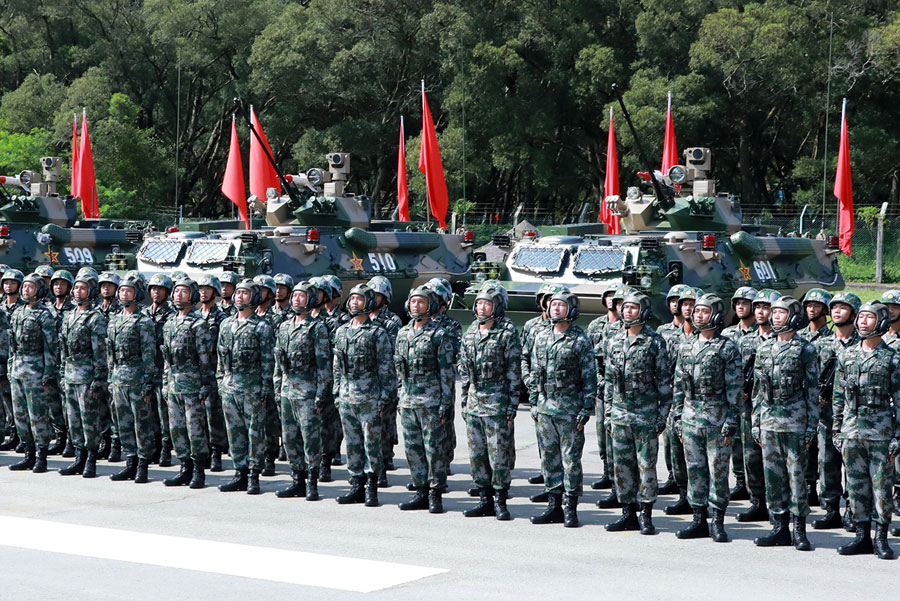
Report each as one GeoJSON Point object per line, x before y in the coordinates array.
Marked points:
{"type": "Point", "coordinates": [582, 418]}
{"type": "Point", "coordinates": [728, 432]}
{"type": "Point", "coordinates": [894, 448]}
{"type": "Point", "coordinates": [510, 415]}
{"type": "Point", "coordinates": [660, 425]}
{"type": "Point", "coordinates": [677, 427]}
{"type": "Point", "coordinates": [382, 408]}
{"type": "Point", "coordinates": [204, 394]}
{"type": "Point", "coordinates": [96, 388]}
{"type": "Point", "coordinates": [757, 435]}
{"type": "Point", "coordinates": [837, 441]}
{"type": "Point", "coordinates": [443, 412]}
{"type": "Point", "coordinates": [46, 384]}
{"type": "Point", "coordinates": [320, 406]}
{"type": "Point", "coordinates": [808, 437]}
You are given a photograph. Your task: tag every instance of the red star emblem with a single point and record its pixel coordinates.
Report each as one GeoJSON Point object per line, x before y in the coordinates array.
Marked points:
{"type": "Point", "coordinates": [357, 262]}
{"type": "Point", "coordinates": [745, 271]}
{"type": "Point", "coordinates": [54, 257]}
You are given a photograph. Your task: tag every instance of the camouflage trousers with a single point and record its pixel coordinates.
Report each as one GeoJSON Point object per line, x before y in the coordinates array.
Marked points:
{"type": "Point", "coordinates": [870, 474]}
{"type": "Point", "coordinates": [601, 438]}
{"type": "Point", "coordinates": [160, 412]}
{"type": "Point", "coordinates": [30, 412]}
{"type": "Point", "coordinates": [56, 407]}
{"type": "Point", "coordinates": [423, 438]}
{"type": "Point", "coordinates": [332, 431]}
{"type": "Point", "coordinates": [676, 455]}
{"type": "Point", "coordinates": [753, 461]}
{"type": "Point", "coordinates": [831, 486]}
{"type": "Point", "coordinates": [362, 435]}
{"type": "Point", "coordinates": [490, 439]}
{"type": "Point", "coordinates": [187, 426]}
{"type": "Point", "coordinates": [301, 430]}
{"type": "Point", "coordinates": [449, 436]}
{"type": "Point", "coordinates": [737, 457]}
{"type": "Point", "coordinates": [706, 456]}
{"type": "Point", "coordinates": [244, 421]}
{"type": "Point", "coordinates": [635, 452]}
{"type": "Point", "coordinates": [784, 465]}
{"type": "Point", "coordinates": [389, 436]}
{"type": "Point", "coordinates": [84, 416]}
{"type": "Point", "coordinates": [562, 444]}
{"type": "Point", "coordinates": [272, 419]}
{"type": "Point", "coordinates": [137, 424]}
{"type": "Point", "coordinates": [215, 421]}
{"type": "Point", "coordinates": [109, 421]}
{"type": "Point", "coordinates": [6, 402]}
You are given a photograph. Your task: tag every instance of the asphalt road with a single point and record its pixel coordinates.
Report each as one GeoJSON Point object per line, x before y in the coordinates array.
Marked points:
{"type": "Point", "coordinates": [98, 540]}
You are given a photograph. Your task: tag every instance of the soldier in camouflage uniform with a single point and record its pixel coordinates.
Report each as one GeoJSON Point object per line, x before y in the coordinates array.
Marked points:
{"type": "Point", "coordinates": [284, 284]}
{"type": "Point", "coordinates": [706, 395]}
{"type": "Point", "coordinates": [785, 421]}
{"type": "Point", "coordinates": [11, 283]}
{"type": "Point", "coordinates": [303, 366]}
{"type": "Point", "coordinates": [229, 280]}
{"type": "Point", "coordinates": [333, 316]}
{"type": "Point", "coordinates": [83, 369]}
{"type": "Point", "coordinates": [561, 375]}
{"type": "Point", "coordinates": [383, 316]}
{"type": "Point", "coordinates": [891, 299]}
{"type": "Point", "coordinates": [32, 368]}
{"type": "Point", "coordinates": [131, 360]}
{"type": "Point", "coordinates": [246, 366]}
{"type": "Point", "coordinates": [866, 408]}
{"type": "Point", "coordinates": [490, 367]}
{"type": "Point", "coordinates": [210, 288]}
{"type": "Point", "coordinates": [160, 311]}
{"type": "Point", "coordinates": [188, 350]}
{"type": "Point", "coordinates": [265, 311]}
{"type": "Point", "coordinates": [363, 383]}
{"type": "Point", "coordinates": [6, 407]}
{"type": "Point", "coordinates": [451, 325]}
{"type": "Point", "coordinates": [843, 307]}
{"type": "Point", "coordinates": [59, 304]}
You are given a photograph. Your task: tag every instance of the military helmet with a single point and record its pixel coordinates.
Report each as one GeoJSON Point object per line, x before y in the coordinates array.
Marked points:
{"type": "Point", "coordinates": [265, 281]}
{"type": "Point", "coordinates": [45, 271]}
{"type": "Point", "coordinates": [622, 291]}
{"type": "Point", "coordinates": [207, 279]}
{"type": "Point", "coordinates": [817, 295]}
{"type": "Point", "coordinates": [65, 275]}
{"type": "Point", "coordinates": [163, 281]}
{"type": "Point", "coordinates": [89, 272]}
{"type": "Point", "coordinates": [676, 291]}
{"type": "Point", "coordinates": [496, 284]}
{"type": "Point", "coordinates": [381, 285]}
{"type": "Point", "coordinates": [495, 295]}
{"type": "Point", "coordinates": [368, 294]}
{"type": "Point", "coordinates": [766, 295]}
{"type": "Point", "coordinates": [40, 287]}
{"type": "Point", "coordinates": [320, 284]}
{"type": "Point", "coordinates": [641, 300]}
{"type": "Point", "coordinates": [3, 268]}
{"type": "Point", "coordinates": [891, 297]}
{"type": "Point", "coordinates": [572, 301]}
{"type": "Point", "coordinates": [132, 281]}
{"type": "Point", "coordinates": [195, 292]}
{"type": "Point", "coordinates": [546, 291]}
{"type": "Point", "coordinates": [795, 315]}
{"type": "Point", "coordinates": [229, 277]}
{"type": "Point", "coordinates": [311, 297]}
{"type": "Point", "coordinates": [176, 275]}
{"type": "Point", "coordinates": [283, 279]}
{"type": "Point", "coordinates": [111, 277]}
{"type": "Point", "coordinates": [717, 311]}
{"type": "Point", "coordinates": [90, 281]}
{"type": "Point", "coordinates": [337, 288]}
{"type": "Point", "coordinates": [13, 274]}
{"type": "Point", "coordinates": [747, 293]}
{"type": "Point", "coordinates": [444, 291]}
{"type": "Point", "coordinates": [134, 273]}
{"type": "Point", "coordinates": [255, 294]}
{"type": "Point", "coordinates": [846, 298]}
{"type": "Point", "coordinates": [434, 302]}
{"type": "Point", "coordinates": [882, 319]}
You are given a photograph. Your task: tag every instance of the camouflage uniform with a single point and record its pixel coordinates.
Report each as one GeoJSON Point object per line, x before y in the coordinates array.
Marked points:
{"type": "Point", "coordinates": [454, 329]}
{"type": "Point", "coordinates": [673, 449]}
{"type": "Point", "coordinates": [83, 368]}
{"type": "Point", "coordinates": [595, 333]}
{"type": "Point", "coordinates": [332, 431]}
{"type": "Point", "coordinates": [57, 405]}
{"type": "Point", "coordinates": [272, 418]}
{"type": "Point", "coordinates": [813, 337]}
{"type": "Point", "coordinates": [159, 316]}
{"type": "Point", "coordinates": [32, 367]}
{"type": "Point", "coordinates": [6, 407]}
{"type": "Point", "coordinates": [735, 333]}
{"type": "Point", "coordinates": [753, 458]}
{"type": "Point", "coordinates": [215, 415]}
{"type": "Point", "coordinates": [388, 320]}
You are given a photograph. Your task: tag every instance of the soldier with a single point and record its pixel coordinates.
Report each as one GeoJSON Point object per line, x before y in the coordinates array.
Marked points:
{"type": "Point", "coordinates": [785, 420]}
{"type": "Point", "coordinates": [453, 327]}
{"type": "Point", "coordinates": [383, 316]}
{"type": "Point", "coordinates": [866, 406]}
{"type": "Point", "coordinates": [490, 368]}
{"type": "Point", "coordinates": [332, 305]}
{"type": "Point", "coordinates": [844, 307]}
{"type": "Point", "coordinates": [229, 280]}
{"type": "Point", "coordinates": [32, 370]}
{"type": "Point", "coordinates": [815, 305]}
{"type": "Point", "coordinates": [891, 299]}
{"type": "Point", "coordinates": [60, 286]}
{"type": "Point", "coordinates": [246, 365]}
{"type": "Point", "coordinates": [423, 360]}
{"type": "Point", "coordinates": [333, 316]}
{"type": "Point", "coordinates": [303, 366]}
{"type": "Point", "coordinates": [12, 284]}
{"type": "Point", "coordinates": [284, 284]}
{"type": "Point", "coordinates": [159, 312]}
{"type": "Point", "coordinates": [130, 357]}
{"type": "Point", "coordinates": [188, 349]}
{"type": "Point", "coordinates": [561, 375]}
{"type": "Point", "coordinates": [109, 285]}
{"type": "Point", "coordinates": [667, 331]}
{"type": "Point", "coordinates": [753, 461]}
{"type": "Point", "coordinates": [6, 406]}
{"type": "Point", "coordinates": [83, 368]}
{"type": "Point", "coordinates": [363, 384]}
{"type": "Point", "coordinates": [210, 287]}
{"type": "Point", "coordinates": [707, 388]}
{"type": "Point", "coordinates": [264, 311]}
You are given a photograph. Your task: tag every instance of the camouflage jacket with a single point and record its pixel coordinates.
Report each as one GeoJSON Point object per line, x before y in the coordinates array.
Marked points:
{"type": "Point", "coordinates": [363, 371]}
{"type": "Point", "coordinates": [60, 312]}
{"type": "Point", "coordinates": [227, 308]}
{"type": "Point", "coordinates": [131, 350]}
{"type": "Point", "coordinates": [708, 383]}
{"type": "Point", "coordinates": [246, 355]}
{"type": "Point", "coordinates": [334, 319]}
{"type": "Point", "coordinates": [4, 344]}
{"type": "Point", "coordinates": [560, 373]}
{"type": "Point", "coordinates": [892, 340]}
{"type": "Point", "coordinates": [811, 336]}
{"type": "Point", "coordinates": [303, 358]}
{"type": "Point", "coordinates": [531, 328]}
{"type": "Point", "coordinates": [490, 367]}
{"type": "Point", "coordinates": [82, 347]}
{"type": "Point", "coordinates": [33, 343]}
{"type": "Point", "coordinates": [594, 329]}
{"type": "Point", "coordinates": [453, 328]}
{"type": "Point", "coordinates": [107, 312]}
{"type": "Point", "coordinates": [9, 310]}
{"type": "Point", "coordinates": [736, 332]}
{"type": "Point", "coordinates": [390, 322]}
{"type": "Point", "coordinates": [786, 386]}
{"type": "Point", "coordinates": [827, 350]}
{"type": "Point", "coordinates": [866, 401]}
{"type": "Point", "coordinates": [638, 379]}
{"type": "Point", "coordinates": [214, 318]}
{"type": "Point", "coordinates": [281, 313]}
{"type": "Point", "coordinates": [159, 315]}
{"type": "Point", "coordinates": [271, 317]}
{"type": "Point", "coordinates": [748, 345]}
{"type": "Point", "coordinates": [423, 360]}
{"type": "Point", "coordinates": [189, 348]}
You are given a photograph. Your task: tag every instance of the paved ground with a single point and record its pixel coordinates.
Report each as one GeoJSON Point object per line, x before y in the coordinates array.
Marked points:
{"type": "Point", "coordinates": [100, 540]}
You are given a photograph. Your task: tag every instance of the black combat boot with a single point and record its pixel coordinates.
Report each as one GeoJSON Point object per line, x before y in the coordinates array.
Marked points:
{"type": "Point", "coordinates": [435, 503]}
{"type": "Point", "coordinates": [115, 451]}
{"type": "Point", "coordinates": [215, 460]}
{"type": "Point", "coordinates": [500, 509]}
{"type": "Point", "coordinates": [371, 490]}
{"type": "Point", "coordinates": [882, 548]}
{"type": "Point", "coordinates": [325, 469]}
{"type": "Point", "coordinates": [297, 487]}
{"type": "Point", "coordinates": [570, 510]}
{"type": "Point", "coordinates": [780, 535]}
{"type": "Point", "coordinates": [798, 536]}
{"type": "Point", "coordinates": [69, 451]}
{"type": "Point", "coordinates": [253, 482]}
{"type": "Point", "coordinates": [77, 466]}
{"type": "Point", "coordinates": [679, 507]}
{"type": "Point", "coordinates": [198, 478]}
{"type": "Point", "coordinates": [847, 519]}
{"type": "Point", "coordinates": [862, 544]}
{"type": "Point", "coordinates": [165, 453]}
{"type": "Point", "coordinates": [142, 476]}
{"type": "Point", "coordinates": [312, 485]}
{"type": "Point", "coordinates": [698, 528]}
{"type": "Point", "coordinates": [90, 465]}
{"type": "Point", "coordinates": [474, 491]}
{"type": "Point", "coordinates": [237, 483]}
{"type": "Point", "coordinates": [541, 497]}
{"type": "Point", "coordinates": [610, 501]}
{"type": "Point", "coordinates": [417, 502]}
{"type": "Point", "coordinates": [184, 474]}
{"type": "Point", "coordinates": [554, 512]}
{"type": "Point", "coordinates": [269, 466]}
{"type": "Point", "coordinates": [40, 464]}
{"type": "Point", "coordinates": [539, 479]}
{"type": "Point", "coordinates": [645, 519]}
{"type": "Point", "coordinates": [12, 440]}
{"type": "Point", "coordinates": [282, 454]}
{"type": "Point", "coordinates": [485, 505]}
{"type": "Point", "coordinates": [26, 463]}
{"type": "Point", "coordinates": [603, 483]}
{"type": "Point", "coordinates": [388, 463]}
{"type": "Point", "coordinates": [628, 521]}
{"type": "Point", "coordinates": [757, 512]}
{"type": "Point", "coordinates": [103, 450]}
{"type": "Point", "coordinates": [59, 444]}
{"type": "Point", "coordinates": [382, 478]}
{"type": "Point", "coordinates": [831, 519]}
{"type": "Point", "coordinates": [669, 487]}
{"type": "Point", "coordinates": [356, 494]}
{"type": "Point", "coordinates": [717, 526]}
{"type": "Point", "coordinates": [127, 472]}
{"type": "Point", "coordinates": [739, 492]}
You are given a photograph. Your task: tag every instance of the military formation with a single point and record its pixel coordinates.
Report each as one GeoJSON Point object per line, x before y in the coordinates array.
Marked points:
{"type": "Point", "coordinates": [133, 369]}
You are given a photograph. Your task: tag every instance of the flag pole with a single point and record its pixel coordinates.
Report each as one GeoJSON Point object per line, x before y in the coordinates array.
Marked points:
{"type": "Point", "coordinates": [427, 207]}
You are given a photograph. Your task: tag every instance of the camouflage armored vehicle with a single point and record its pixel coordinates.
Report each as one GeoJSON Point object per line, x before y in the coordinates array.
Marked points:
{"type": "Point", "coordinates": [40, 227]}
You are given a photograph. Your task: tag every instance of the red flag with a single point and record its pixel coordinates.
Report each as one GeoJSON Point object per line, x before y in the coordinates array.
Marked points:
{"type": "Point", "coordinates": [670, 148]}
{"type": "Point", "coordinates": [233, 182]}
{"type": "Point", "coordinates": [430, 165]}
{"type": "Point", "coordinates": [843, 187]}
{"type": "Point", "coordinates": [262, 172]}
{"type": "Point", "coordinates": [73, 183]}
{"type": "Point", "coordinates": [402, 190]}
{"type": "Point", "coordinates": [87, 184]}
{"type": "Point", "coordinates": [611, 185]}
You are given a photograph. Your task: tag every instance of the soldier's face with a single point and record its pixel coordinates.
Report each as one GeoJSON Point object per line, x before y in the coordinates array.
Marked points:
{"type": "Point", "coordinates": [264, 294]}
{"type": "Point", "coordinates": [356, 302]}
{"type": "Point", "coordinates": [81, 290]}
{"type": "Point", "coordinates": [206, 293]}
{"type": "Point", "coordinates": [762, 311]}
{"type": "Point", "coordinates": [631, 311]}
{"type": "Point", "coordinates": [742, 308]}
{"type": "Point", "coordinates": [673, 306]}
{"type": "Point", "coordinates": [242, 296]}
{"type": "Point", "coordinates": [418, 304]}
{"type": "Point", "coordinates": [158, 294]}
{"type": "Point", "coordinates": [299, 299]}
{"type": "Point", "coordinates": [227, 290]}
{"type": "Point", "coordinates": [687, 307]}
{"type": "Point", "coordinates": [895, 311]}
{"type": "Point", "coordinates": [866, 321]}
{"type": "Point", "coordinates": [841, 313]}
{"type": "Point", "coordinates": [559, 308]}
{"type": "Point", "coordinates": [484, 307]}
{"type": "Point", "coordinates": [60, 287]}
{"type": "Point", "coordinates": [702, 314]}
{"type": "Point", "coordinates": [282, 292]}
{"type": "Point", "coordinates": [29, 289]}
{"type": "Point", "coordinates": [181, 294]}
{"type": "Point", "coordinates": [609, 302]}
{"type": "Point", "coordinates": [10, 286]}
{"type": "Point", "coordinates": [814, 310]}
{"type": "Point", "coordinates": [779, 316]}
{"type": "Point", "coordinates": [126, 293]}
{"type": "Point", "coordinates": [107, 289]}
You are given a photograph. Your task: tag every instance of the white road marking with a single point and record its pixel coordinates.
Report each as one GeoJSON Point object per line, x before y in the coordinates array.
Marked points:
{"type": "Point", "coordinates": [263, 563]}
